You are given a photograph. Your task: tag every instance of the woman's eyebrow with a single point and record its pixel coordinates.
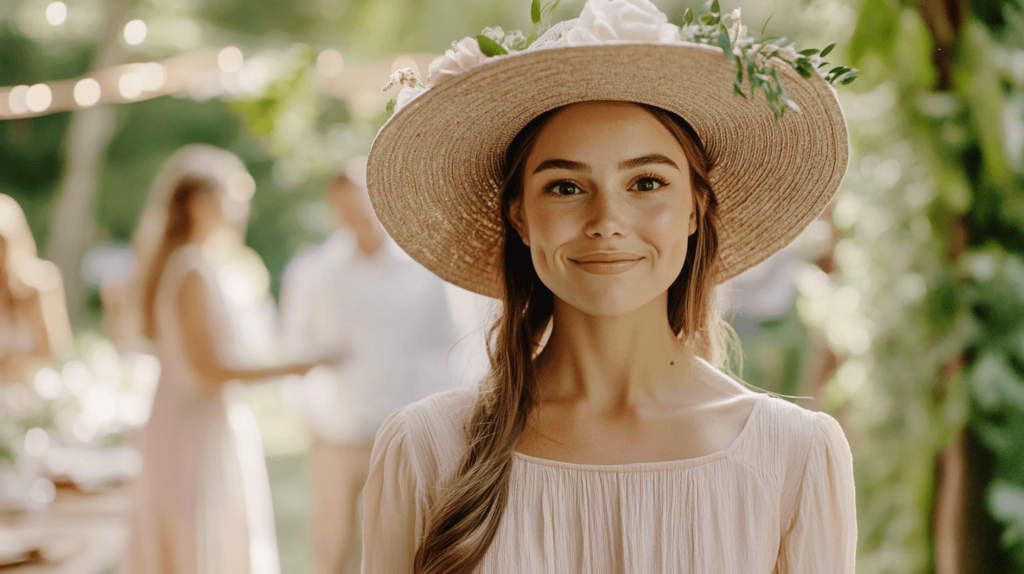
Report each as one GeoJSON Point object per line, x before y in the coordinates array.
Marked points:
{"type": "Point", "coordinates": [651, 158]}
{"type": "Point", "coordinates": [563, 164]}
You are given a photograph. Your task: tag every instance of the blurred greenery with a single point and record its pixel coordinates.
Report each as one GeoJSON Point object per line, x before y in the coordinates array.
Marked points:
{"type": "Point", "coordinates": [932, 245]}
{"type": "Point", "coordinates": [924, 311]}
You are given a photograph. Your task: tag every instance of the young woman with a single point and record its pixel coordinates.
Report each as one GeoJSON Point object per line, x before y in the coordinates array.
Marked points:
{"type": "Point", "coordinates": [203, 500]}
{"type": "Point", "coordinates": [600, 184]}
{"type": "Point", "coordinates": [34, 324]}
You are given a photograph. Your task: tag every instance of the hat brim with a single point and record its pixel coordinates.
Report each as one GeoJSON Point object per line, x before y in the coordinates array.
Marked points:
{"type": "Point", "coordinates": [435, 168]}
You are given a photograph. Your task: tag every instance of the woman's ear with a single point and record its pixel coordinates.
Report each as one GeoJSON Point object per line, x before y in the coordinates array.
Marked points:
{"type": "Point", "coordinates": [700, 205]}
{"type": "Point", "coordinates": [515, 215]}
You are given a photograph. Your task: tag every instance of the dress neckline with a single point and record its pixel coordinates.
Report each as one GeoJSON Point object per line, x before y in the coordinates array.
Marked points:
{"type": "Point", "coordinates": [660, 465]}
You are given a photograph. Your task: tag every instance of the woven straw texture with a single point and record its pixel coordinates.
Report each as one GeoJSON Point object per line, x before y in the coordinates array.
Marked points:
{"type": "Point", "coordinates": [434, 169]}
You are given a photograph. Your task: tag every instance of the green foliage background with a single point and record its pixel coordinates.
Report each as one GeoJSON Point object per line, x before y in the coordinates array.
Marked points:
{"type": "Point", "coordinates": [930, 253]}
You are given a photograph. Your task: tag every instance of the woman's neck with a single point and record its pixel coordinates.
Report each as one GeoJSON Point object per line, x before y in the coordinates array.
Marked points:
{"type": "Point", "coordinates": [613, 361]}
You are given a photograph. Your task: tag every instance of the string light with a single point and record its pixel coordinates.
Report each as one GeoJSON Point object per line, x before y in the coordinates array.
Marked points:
{"type": "Point", "coordinates": [17, 100]}
{"type": "Point", "coordinates": [230, 59]}
{"type": "Point", "coordinates": [130, 86]}
{"type": "Point", "coordinates": [153, 76]}
{"type": "Point", "coordinates": [135, 32]}
{"type": "Point", "coordinates": [56, 13]}
{"type": "Point", "coordinates": [87, 92]}
{"type": "Point", "coordinates": [38, 98]}
{"type": "Point", "coordinates": [222, 72]}
{"type": "Point", "coordinates": [330, 63]}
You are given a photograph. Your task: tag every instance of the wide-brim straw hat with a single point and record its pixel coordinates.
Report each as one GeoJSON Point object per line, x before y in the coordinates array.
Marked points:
{"type": "Point", "coordinates": [435, 168]}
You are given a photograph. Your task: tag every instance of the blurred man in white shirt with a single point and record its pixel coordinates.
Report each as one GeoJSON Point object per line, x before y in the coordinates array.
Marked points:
{"type": "Point", "coordinates": [360, 298]}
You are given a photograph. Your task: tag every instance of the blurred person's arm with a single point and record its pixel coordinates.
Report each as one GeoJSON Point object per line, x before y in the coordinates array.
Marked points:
{"type": "Point", "coordinates": [46, 313]}
{"type": "Point", "coordinates": [201, 347]}
{"type": "Point", "coordinates": [53, 314]}
{"type": "Point", "coordinates": [292, 317]}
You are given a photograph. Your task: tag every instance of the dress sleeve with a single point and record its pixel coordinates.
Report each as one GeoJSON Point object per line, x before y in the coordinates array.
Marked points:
{"type": "Point", "coordinates": [392, 512]}
{"type": "Point", "coordinates": [822, 536]}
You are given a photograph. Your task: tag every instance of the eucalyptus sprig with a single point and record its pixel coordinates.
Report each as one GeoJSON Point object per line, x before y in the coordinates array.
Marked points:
{"type": "Point", "coordinates": [752, 56]}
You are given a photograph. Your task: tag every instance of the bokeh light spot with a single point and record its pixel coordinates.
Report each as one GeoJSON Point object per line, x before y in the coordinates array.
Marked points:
{"type": "Point", "coordinates": [135, 32]}
{"type": "Point", "coordinates": [56, 13]}
{"type": "Point", "coordinates": [87, 92]}
{"type": "Point", "coordinates": [330, 63]}
{"type": "Point", "coordinates": [38, 98]}
{"type": "Point", "coordinates": [230, 59]}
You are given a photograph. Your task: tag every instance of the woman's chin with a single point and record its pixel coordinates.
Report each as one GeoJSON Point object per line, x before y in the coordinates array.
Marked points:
{"type": "Point", "coordinates": [608, 304]}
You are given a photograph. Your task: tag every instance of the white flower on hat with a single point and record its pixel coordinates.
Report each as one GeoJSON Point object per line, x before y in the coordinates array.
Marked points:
{"type": "Point", "coordinates": [620, 20]}
{"type": "Point", "coordinates": [462, 56]}
{"type": "Point", "coordinates": [407, 94]}
{"type": "Point", "coordinates": [737, 30]}
{"type": "Point", "coordinates": [788, 53]}
{"type": "Point", "coordinates": [404, 77]}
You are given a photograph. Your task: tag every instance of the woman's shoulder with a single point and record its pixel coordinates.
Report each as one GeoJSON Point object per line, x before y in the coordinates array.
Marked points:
{"type": "Point", "coordinates": [778, 426]}
{"type": "Point", "coordinates": [794, 423]}
{"type": "Point", "coordinates": [432, 431]}
{"type": "Point", "coordinates": [790, 441]}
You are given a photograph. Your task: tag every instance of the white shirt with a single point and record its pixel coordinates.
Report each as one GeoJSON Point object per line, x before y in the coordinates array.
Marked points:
{"type": "Point", "coordinates": [384, 316]}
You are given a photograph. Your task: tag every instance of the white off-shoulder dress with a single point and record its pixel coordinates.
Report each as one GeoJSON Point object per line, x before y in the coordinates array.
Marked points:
{"type": "Point", "coordinates": [779, 500]}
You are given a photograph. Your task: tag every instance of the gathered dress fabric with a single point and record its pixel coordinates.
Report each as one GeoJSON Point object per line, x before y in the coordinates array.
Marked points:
{"type": "Point", "coordinates": [779, 500]}
{"type": "Point", "coordinates": [202, 504]}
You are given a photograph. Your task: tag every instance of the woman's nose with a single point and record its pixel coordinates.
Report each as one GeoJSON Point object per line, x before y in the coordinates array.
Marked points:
{"type": "Point", "coordinates": [606, 215]}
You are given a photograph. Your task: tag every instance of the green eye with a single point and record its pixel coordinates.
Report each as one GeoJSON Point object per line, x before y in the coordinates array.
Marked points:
{"type": "Point", "coordinates": [648, 184]}
{"type": "Point", "coordinates": [566, 188]}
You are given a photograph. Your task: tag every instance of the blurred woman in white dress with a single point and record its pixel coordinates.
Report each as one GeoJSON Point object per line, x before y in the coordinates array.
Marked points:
{"type": "Point", "coordinates": [203, 501]}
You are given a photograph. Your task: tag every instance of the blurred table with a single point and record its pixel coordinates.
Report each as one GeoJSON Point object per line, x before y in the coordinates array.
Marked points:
{"type": "Point", "coordinates": [86, 533]}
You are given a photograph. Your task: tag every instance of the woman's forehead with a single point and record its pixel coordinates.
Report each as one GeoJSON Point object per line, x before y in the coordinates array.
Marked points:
{"type": "Point", "coordinates": [603, 132]}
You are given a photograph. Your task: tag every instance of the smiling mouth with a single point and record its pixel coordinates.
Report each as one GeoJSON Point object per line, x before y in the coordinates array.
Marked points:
{"type": "Point", "coordinates": [607, 263]}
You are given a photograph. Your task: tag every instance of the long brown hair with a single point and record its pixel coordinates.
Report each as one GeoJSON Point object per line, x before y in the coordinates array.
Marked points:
{"type": "Point", "coordinates": [466, 516]}
{"type": "Point", "coordinates": [176, 233]}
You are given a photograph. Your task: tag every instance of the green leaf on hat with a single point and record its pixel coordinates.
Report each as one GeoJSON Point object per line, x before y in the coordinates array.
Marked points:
{"type": "Point", "coordinates": [765, 27]}
{"type": "Point", "coordinates": [688, 17]}
{"type": "Point", "coordinates": [390, 107]}
{"type": "Point", "coordinates": [828, 49]}
{"type": "Point", "coordinates": [535, 11]}
{"type": "Point", "coordinates": [489, 47]}
{"type": "Point", "coordinates": [723, 42]}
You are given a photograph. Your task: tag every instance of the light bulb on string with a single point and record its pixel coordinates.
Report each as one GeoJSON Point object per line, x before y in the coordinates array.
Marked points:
{"type": "Point", "coordinates": [87, 92]}
{"type": "Point", "coordinates": [38, 98]}
{"type": "Point", "coordinates": [130, 86]}
{"type": "Point", "coordinates": [17, 100]}
{"type": "Point", "coordinates": [153, 76]}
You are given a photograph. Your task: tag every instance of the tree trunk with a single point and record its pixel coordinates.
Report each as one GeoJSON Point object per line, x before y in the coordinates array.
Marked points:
{"type": "Point", "coordinates": [72, 224]}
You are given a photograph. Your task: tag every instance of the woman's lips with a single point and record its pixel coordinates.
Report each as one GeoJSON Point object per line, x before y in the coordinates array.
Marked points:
{"type": "Point", "coordinates": [607, 263]}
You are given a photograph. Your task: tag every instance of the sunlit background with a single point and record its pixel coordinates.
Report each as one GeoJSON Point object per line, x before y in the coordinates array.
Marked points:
{"type": "Point", "coordinates": [900, 311]}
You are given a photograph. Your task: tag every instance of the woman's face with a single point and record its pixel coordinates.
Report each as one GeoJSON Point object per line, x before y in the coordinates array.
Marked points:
{"type": "Point", "coordinates": [607, 207]}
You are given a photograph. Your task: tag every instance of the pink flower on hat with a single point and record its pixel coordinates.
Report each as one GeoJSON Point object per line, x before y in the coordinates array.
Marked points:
{"type": "Point", "coordinates": [463, 55]}
{"type": "Point", "coordinates": [621, 20]}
